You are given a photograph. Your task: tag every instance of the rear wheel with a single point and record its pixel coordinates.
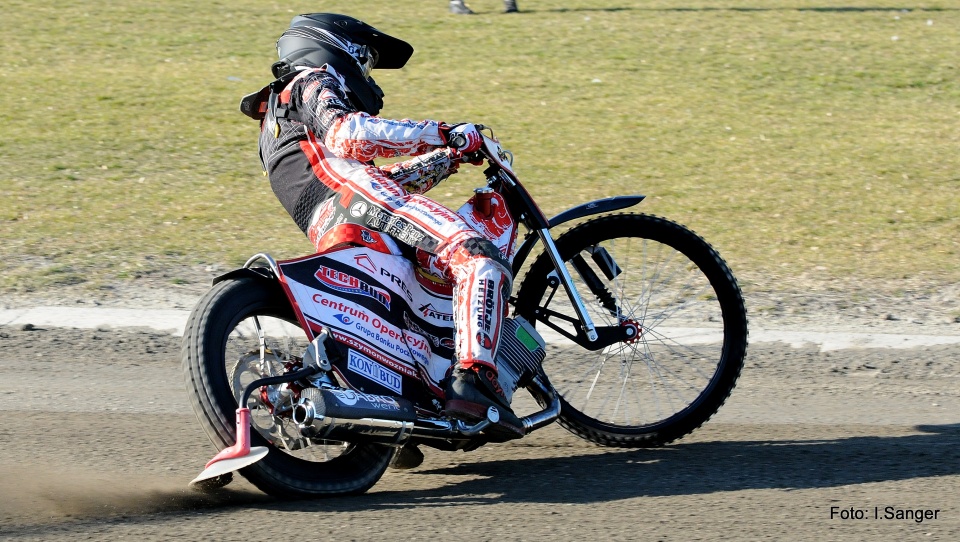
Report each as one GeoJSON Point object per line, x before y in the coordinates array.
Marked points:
{"type": "Point", "coordinates": [244, 329]}
{"type": "Point", "coordinates": [687, 317]}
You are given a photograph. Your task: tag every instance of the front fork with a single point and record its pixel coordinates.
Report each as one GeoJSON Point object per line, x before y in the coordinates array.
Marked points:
{"type": "Point", "coordinates": [590, 330]}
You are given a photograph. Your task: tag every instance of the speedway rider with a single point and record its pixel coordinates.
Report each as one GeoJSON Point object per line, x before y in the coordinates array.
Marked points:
{"type": "Point", "coordinates": [319, 136]}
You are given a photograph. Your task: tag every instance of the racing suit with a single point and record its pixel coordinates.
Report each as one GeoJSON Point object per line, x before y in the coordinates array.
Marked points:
{"type": "Point", "coordinates": [318, 151]}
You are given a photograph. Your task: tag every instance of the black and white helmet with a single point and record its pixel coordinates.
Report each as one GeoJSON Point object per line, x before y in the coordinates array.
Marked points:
{"type": "Point", "coordinates": [352, 47]}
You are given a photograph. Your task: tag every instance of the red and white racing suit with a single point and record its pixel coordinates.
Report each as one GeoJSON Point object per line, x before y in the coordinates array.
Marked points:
{"type": "Point", "coordinates": [320, 167]}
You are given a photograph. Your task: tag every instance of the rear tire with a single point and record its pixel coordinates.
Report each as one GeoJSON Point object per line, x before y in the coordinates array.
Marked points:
{"type": "Point", "coordinates": [285, 471]}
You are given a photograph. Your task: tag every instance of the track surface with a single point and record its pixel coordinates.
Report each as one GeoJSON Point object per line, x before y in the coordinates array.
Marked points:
{"type": "Point", "coordinates": [98, 443]}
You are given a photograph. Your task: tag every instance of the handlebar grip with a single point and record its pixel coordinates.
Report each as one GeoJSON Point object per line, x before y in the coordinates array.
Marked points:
{"type": "Point", "coordinates": [457, 141]}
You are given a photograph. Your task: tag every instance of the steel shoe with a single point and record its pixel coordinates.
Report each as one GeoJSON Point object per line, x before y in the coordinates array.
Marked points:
{"type": "Point", "coordinates": [407, 457]}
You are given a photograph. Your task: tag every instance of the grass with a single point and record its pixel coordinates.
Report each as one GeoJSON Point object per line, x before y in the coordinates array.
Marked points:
{"type": "Point", "coordinates": [803, 138]}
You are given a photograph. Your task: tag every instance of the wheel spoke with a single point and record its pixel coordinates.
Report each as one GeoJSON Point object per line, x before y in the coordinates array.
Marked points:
{"type": "Point", "coordinates": [593, 385]}
{"type": "Point", "coordinates": [672, 347]}
{"type": "Point", "coordinates": [651, 362]}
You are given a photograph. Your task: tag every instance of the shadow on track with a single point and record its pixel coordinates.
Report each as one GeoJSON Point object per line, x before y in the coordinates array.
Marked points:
{"type": "Point", "coordinates": [683, 469]}
{"type": "Point", "coordinates": [688, 469]}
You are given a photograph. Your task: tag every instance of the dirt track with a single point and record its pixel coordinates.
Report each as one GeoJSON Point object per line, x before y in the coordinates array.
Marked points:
{"type": "Point", "coordinates": [99, 443]}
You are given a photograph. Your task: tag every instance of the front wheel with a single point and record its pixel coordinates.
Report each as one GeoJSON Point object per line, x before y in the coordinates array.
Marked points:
{"type": "Point", "coordinates": [687, 319]}
{"type": "Point", "coordinates": [242, 330]}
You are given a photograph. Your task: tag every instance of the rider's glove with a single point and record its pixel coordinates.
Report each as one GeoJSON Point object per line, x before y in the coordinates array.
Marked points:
{"type": "Point", "coordinates": [464, 137]}
{"type": "Point", "coordinates": [474, 158]}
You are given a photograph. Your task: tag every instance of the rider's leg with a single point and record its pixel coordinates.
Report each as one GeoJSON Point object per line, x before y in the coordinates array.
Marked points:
{"type": "Point", "coordinates": [482, 282]}
{"type": "Point", "coordinates": [446, 245]}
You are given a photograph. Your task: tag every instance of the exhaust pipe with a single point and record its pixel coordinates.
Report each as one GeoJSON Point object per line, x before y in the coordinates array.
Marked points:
{"type": "Point", "coordinates": [348, 415]}
{"type": "Point", "coordinates": [352, 416]}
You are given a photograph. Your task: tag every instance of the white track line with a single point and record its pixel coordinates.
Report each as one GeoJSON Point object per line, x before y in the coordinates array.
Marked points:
{"type": "Point", "coordinates": [172, 321]}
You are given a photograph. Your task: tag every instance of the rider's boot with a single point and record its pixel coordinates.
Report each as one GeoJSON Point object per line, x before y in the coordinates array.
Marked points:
{"type": "Point", "coordinates": [510, 6]}
{"type": "Point", "coordinates": [458, 7]}
{"type": "Point", "coordinates": [471, 392]}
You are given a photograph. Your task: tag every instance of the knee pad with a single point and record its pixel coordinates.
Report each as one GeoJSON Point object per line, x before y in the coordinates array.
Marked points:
{"type": "Point", "coordinates": [483, 248]}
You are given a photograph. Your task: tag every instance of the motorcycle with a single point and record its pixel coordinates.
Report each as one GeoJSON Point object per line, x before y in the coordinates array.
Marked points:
{"type": "Point", "coordinates": [314, 375]}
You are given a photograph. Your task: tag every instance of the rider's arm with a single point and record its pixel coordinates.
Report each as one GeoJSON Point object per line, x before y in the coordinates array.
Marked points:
{"type": "Point", "coordinates": [324, 108]}
{"type": "Point", "coordinates": [424, 172]}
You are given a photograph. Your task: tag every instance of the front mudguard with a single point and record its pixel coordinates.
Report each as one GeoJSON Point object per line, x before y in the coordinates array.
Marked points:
{"type": "Point", "coordinates": [585, 209]}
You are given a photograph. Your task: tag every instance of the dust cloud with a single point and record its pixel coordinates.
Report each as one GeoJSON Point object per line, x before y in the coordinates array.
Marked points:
{"type": "Point", "coordinates": [33, 496]}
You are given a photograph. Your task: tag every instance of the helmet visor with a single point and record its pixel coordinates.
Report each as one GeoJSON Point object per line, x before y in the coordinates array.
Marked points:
{"type": "Point", "coordinates": [367, 58]}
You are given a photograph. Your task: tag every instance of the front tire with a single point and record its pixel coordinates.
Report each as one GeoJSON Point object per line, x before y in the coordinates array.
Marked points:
{"type": "Point", "coordinates": [222, 351]}
{"type": "Point", "coordinates": [676, 291]}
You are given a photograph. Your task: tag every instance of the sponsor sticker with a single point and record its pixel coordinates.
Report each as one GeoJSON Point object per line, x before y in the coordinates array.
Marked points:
{"type": "Point", "coordinates": [398, 281]}
{"type": "Point", "coordinates": [343, 282]}
{"type": "Point", "coordinates": [379, 333]}
{"type": "Point", "coordinates": [527, 339]}
{"type": "Point", "coordinates": [395, 226]}
{"type": "Point", "coordinates": [348, 311]}
{"type": "Point", "coordinates": [484, 340]}
{"type": "Point", "coordinates": [429, 311]}
{"type": "Point", "coordinates": [485, 304]}
{"type": "Point", "coordinates": [364, 366]}
{"type": "Point", "coordinates": [446, 342]}
{"type": "Point", "coordinates": [362, 346]}
{"type": "Point", "coordinates": [364, 262]}
{"type": "Point", "coordinates": [351, 397]}
{"type": "Point", "coordinates": [359, 209]}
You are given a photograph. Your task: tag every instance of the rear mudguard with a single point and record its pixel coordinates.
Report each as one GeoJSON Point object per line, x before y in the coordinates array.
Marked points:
{"type": "Point", "coordinates": [258, 273]}
{"type": "Point", "coordinates": [586, 209]}
{"type": "Point", "coordinates": [264, 275]}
